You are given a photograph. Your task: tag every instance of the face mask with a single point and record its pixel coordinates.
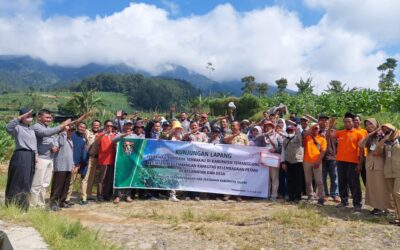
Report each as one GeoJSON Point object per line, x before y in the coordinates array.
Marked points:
{"type": "Point", "coordinates": [29, 119]}
{"type": "Point", "coordinates": [290, 135]}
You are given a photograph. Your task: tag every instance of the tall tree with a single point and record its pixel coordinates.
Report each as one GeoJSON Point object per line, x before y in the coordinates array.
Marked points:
{"type": "Point", "coordinates": [305, 87]}
{"type": "Point", "coordinates": [335, 86]}
{"type": "Point", "coordinates": [262, 88]}
{"type": "Point", "coordinates": [249, 84]}
{"type": "Point", "coordinates": [281, 84]}
{"type": "Point", "coordinates": [387, 78]}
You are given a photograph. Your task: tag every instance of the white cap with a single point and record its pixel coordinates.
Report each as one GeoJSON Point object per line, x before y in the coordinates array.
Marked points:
{"type": "Point", "coordinates": [232, 105]}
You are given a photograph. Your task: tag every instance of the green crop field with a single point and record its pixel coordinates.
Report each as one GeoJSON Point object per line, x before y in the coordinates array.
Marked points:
{"type": "Point", "coordinates": [10, 103]}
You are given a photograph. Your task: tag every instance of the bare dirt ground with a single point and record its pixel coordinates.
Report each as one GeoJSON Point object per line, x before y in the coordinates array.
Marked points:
{"type": "Point", "coordinates": [231, 225]}
{"type": "Point", "coordinates": [251, 224]}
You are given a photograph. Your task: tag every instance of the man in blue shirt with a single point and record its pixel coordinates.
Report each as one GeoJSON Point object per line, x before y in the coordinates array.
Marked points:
{"type": "Point", "coordinates": [80, 155]}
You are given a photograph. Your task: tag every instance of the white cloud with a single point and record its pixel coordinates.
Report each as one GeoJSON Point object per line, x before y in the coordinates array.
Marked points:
{"type": "Point", "coordinates": [268, 43]}
{"type": "Point", "coordinates": [378, 19]}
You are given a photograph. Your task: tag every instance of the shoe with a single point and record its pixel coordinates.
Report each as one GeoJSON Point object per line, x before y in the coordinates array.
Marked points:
{"type": "Point", "coordinates": [197, 198]}
{"type": "Point", "coordinates": [239, 199]}
{"type": "Point", "coordinates": [273, 199]}
{"type": "Point", "coordinates": [336, 199]}
{"type": "Point", "coordinates": [326, 198]}
{"type": "Point", "coordinates": [55, 208]}
{"type": "Point", "coordinates": [152, 198]}
{"type": "Point", "coordinates": [394, 222]}
{"type": "Point", "coordinates": [187, 198]}
{"type": "Point", "coordinates": [341, 205]}
{"type": "Point", "coordinates": [91, 199]}
{"type": "Point", "coordinates": [357, 209]}
{"type": "Point", "coordinates": [64, 205]}
{"type": "Point", "coordinates": [99, 199]}
{"type": "Point", "coordinates": [320, 202]}
{"type": "Point", "coordinates": [173, 198]}
{"type": "Point", "coordinates": [83, 203]}
{"type": "Point", "coordinates": [117, 200]}
{"type": "Point", "coordinates": [128, 199]}
{"type": "Point", "coordinates": [69, 203]}
{"type": "Point", "coordinates": [226, 197]}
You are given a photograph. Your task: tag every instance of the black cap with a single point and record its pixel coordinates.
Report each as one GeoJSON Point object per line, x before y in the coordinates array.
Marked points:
{"type": "Point", "coordinates": [323, 116]}
{"type": "Point", "coordinates": [349, 115]}
{"type": "Point", "coordinates": [215, 130]}
{"type": "Point", "coordinates": [23, 111]}
{"type": "Point", "coordinates": [166, 123]}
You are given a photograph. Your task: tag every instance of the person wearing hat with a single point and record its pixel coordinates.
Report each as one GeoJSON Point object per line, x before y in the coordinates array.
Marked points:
{"type": "Point", "coordinates": [347, 158]}
{"type": "Point", "coordinates": [22, 164]}
{"type": "Point", "coordinates": [304, 123]}
{"type": "Point", "coordinates": [47, 147]}
{"type": "Point", "coordinates": [329, 166]}
{"type": "Point", "coordinates": [389, 147]}
{"type": "Point", "coordinates": [292, 158]}
{"type": "Point", "coordinates": [176, 133]}
{"type": "Point", "coordinates": [273, 142]}
{"type": "Point", "coordinates": [245, 126]}
{"type": "Point", "coordinates": [377, 193]}
{"type": "Point", "coordinates": [215, 136]}
{"type": "Point", "coordinates": [314, 150]}
{"type": "Point", "coordinates": [166, 129]}
{"type": "Point", "coordinates": [138, 130]}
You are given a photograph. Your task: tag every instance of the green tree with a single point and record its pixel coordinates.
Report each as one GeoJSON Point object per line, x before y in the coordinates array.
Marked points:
{"type": "Point", "coordinates": [335, 86]}
{"type": "Point", "coordinates": [387, 78]}
{"type": "Point", "coordinates": [281, 84]}
{"type": "Point", "coordinates": [305, 87]}
{"type": "Point", "coordinates": [262, 89]}
{"type": "Point", "coordinates": [249, 84]}
{"type": "Point", "coordinates": [82, 102]}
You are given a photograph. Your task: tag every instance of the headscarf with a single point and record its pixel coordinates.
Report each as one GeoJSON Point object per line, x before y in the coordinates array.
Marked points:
{"type": "Point", "coordinates": [370, 140]}
{"type": "Point", "coordinates": [373, 121]}
{"type": "Point", "coordinates": [250, 134]}
{"type": "Point", "coordinates": [395, 135]}
{"type": "Point", "coordinates": [284, 124]}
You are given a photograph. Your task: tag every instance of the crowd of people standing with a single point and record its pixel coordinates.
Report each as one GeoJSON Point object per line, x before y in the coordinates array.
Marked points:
{"type": "Point", "coordinates": [311, 150]}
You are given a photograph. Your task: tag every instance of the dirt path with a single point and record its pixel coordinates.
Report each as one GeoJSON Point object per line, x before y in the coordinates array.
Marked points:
{"type": "Point", "coordinates": [245, 225]}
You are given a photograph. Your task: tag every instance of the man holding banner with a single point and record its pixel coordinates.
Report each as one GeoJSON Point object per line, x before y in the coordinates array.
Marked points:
{"type": "Point", "coordinates": [236, 138]}
{"type": "Point", "coordinates": [273, 142]}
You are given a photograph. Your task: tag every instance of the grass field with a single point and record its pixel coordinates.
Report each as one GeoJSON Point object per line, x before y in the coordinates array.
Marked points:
{"type": "Point", "coordinates": [11, 102]}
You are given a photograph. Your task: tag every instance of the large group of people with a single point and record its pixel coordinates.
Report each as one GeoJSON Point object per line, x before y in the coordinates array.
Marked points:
{"type": "Point", "coordinates": [311, 150]}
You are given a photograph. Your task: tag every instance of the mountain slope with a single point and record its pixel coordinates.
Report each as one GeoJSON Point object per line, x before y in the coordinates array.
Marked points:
{"type": "Point", "coordinates": [23, 72]}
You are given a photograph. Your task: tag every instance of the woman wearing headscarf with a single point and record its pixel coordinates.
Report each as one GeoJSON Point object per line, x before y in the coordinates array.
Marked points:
{"type": "Point", "coordinates": [377, 192]}
{"type": "Point", "coordinates": [390, 148]}
{"type": "Point", "coordinates": [253, 133]}
{"type": "Point", "coordinates": [22, 164]}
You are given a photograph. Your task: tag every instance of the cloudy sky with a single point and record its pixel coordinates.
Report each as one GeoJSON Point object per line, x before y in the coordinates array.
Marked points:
{"type": "Point", "coordinates": [328, 39]}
